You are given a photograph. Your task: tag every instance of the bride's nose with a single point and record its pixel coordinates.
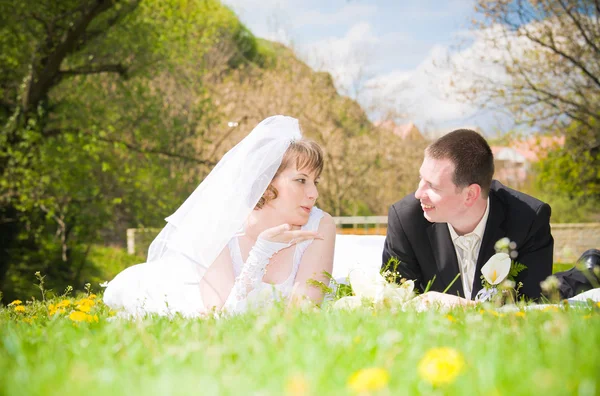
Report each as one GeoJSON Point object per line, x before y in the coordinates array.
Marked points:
{"type": "Point", "coordinates": [312, 192]}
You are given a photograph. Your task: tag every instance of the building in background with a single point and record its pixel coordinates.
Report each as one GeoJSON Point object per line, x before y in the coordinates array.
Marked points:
{"type": "Point", "coordinates": [514, 162]}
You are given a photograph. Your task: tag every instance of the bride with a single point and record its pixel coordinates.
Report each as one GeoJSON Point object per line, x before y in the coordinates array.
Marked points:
{"type": "Point", "coordinates": [250, 232]}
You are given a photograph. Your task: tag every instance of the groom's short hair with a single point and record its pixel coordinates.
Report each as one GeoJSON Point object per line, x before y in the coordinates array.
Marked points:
{"type": "Point", "coordinates": [471, 155]}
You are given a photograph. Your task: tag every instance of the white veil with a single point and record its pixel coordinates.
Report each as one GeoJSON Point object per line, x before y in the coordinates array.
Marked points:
{"type": "Point", "coordinates": [218, 208]}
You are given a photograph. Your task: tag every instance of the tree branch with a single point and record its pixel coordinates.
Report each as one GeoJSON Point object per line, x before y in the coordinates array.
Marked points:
{"type": "Point", "coordinates": [44, 76]}
{"type": "Point", "coordinates": [116, 68]}
{"type": "Point", "coordinates": [60, 131]}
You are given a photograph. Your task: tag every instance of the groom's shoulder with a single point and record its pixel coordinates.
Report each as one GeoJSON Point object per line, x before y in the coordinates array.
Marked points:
{"type": "Point", "coordinates": [514, 198]}
{"type": "Point", "coordinates": [408, 207]}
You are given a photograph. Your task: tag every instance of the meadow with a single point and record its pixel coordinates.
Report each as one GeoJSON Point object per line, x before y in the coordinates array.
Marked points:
{"type": "Point", "coordinates": [70, 345]}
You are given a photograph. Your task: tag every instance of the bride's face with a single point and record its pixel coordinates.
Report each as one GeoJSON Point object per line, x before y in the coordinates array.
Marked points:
{"type": "Point", "coordinates": [296, 195]}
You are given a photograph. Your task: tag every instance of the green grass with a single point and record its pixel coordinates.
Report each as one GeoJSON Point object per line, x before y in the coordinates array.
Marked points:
{"type": "Point", "coordinates": [542, 352]}
{"type": "Point", "coordinates": [558, 267]}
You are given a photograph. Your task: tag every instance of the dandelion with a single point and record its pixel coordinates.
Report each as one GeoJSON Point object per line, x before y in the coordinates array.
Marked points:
{"type": "Point", "coordinates": [296, 385]}
{"type": "Point", "coordinates": [84, 308]}
{"type": "Point", "coordinates": [85, 302]}
{"type": "Point", "coordinates": [369, 379]}
{"type": "Point", "coordinates": [587, 316]}
{"type": "Point", "coordinates": [19, 308]}
{"type": "Point", "coordinates": [441, 366]}
{"type": "Point", "coordinates": [16, 302]}
{"type": "Point", "coordinates": [550, 308]}
{"type": "Point", "coordinates": [520, 314]}
{"type": "Point", "coordinates": [78, 316]}
{"type": "Point", "coordinates": [63, 304]}
{"type": "Point", "coordinates": [451, 318]}
{"type": "Point", "coordinates": [92, 296]}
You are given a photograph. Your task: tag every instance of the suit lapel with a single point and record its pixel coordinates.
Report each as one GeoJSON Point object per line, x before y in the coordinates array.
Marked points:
{"type": "Point", "coordinates": [494, 230]}
{"type": "Point", "coordinates": [445, 256]}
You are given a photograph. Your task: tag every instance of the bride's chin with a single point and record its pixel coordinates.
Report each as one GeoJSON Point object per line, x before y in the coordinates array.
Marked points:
{"type": "Point", "coordinates": [298, 222]}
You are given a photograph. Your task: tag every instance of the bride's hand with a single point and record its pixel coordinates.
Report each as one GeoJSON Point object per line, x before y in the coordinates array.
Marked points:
{"type": "Point", "coordinates": [285, 234]}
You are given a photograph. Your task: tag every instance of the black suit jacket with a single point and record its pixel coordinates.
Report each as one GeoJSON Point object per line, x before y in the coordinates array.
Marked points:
{"type": "Point", "coordinates": [425, 249]}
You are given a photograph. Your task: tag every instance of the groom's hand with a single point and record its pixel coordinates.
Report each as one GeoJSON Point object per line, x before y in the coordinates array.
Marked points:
{"type": "Point", "coordinates": [436, 299]}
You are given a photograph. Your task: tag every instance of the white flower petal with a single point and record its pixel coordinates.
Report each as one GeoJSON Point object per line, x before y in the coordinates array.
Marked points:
{"type": "Point", "coordinates": [367, 284]}
{"type": "Point", "coordinates": [497, 268]}
{"type": "Point", "coordinates": [348, 302]}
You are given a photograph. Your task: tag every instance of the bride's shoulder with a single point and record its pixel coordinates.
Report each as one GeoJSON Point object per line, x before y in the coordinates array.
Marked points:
{"type": "Point", "coordinates": [323, 218]}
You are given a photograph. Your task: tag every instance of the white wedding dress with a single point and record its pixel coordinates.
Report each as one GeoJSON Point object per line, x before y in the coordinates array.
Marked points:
{"type": "Point", "coordinates": [171, 285]}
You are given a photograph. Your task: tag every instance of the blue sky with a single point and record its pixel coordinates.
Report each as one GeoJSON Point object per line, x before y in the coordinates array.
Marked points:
{"type": "Point", "coordinates": [395, 48]}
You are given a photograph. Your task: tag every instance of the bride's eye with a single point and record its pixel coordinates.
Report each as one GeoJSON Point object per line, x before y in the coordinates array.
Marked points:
{"type": "Point", "coordinates": [301, 180]}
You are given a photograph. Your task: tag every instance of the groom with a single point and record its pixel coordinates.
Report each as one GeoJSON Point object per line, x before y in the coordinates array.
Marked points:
{"type": "Point", "coordinates": [450, 224]}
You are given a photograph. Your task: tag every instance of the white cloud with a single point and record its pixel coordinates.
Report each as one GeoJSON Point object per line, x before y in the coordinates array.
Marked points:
{"type": "Point", "coordinates": [347, 57]}
{"type": "Point", "coordinates": [345, 15]}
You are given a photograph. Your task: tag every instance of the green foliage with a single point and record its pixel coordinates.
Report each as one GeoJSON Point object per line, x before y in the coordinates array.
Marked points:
{"type": "Point", "coordinates": [269, 352]}
{"type": "Point", "coordinates": [118, 136]}
{"type": "Point", "coordinates": [515, 269]}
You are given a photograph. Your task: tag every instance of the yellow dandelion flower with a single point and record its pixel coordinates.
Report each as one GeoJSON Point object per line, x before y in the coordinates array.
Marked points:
{"type": "Point", "coordinates": [27, 320]}
{"type": "Point", "coordinates": [499, 315]}
{"type": "Point", "coordinates": [450, 318]}
{"type": "Point", "coordinates": [87, 302]}
{"type": "Point", "coordinates": [16, 302]}
{"type": "Point", "coordinates": [63, 304]}
{"type": "Point", "coordinates": [598, 304]}
{"type": "Point", "coordinates": [92, 296]}
{"type": "Point", "coordinates": [78, 316]}
{"type": "Point", "coordinates": [19, 308]}
{"type": "Point", "coordinates": [520, 314]}
{"type": "Point", "coordinates": [369, 379]}
{"type": "Point", "coordinates": [83, 308]}
{"type": "Point", "coordinates": [95, 317]}
{"type": "Point", "coordinates": [587, 316]}
{"type": "Point", "coordinates": [296, 386]}
{"type": "Point", "coordinates": [481, 311]}
{"type": "Point", "coordinates": [550, 308]}
{"type": "Point", "coordinates": [441, 366]}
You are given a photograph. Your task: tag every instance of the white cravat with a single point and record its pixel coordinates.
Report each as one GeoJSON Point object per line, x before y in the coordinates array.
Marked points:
{"type": "Point", "coordinates": [467, 251]}
{"type": "Point", "coordinates": [469, 245]}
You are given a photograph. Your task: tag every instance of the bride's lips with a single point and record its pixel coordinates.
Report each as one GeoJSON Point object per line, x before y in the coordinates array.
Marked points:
{"type": "Point", "coordinates": [306, 209]}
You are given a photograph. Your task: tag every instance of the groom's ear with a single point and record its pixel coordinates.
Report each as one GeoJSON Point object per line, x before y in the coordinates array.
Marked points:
{"type": "Point", "coordinates": [473, 194]}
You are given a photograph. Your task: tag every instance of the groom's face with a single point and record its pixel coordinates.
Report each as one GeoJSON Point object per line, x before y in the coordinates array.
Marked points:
{"type": "Point", "coordinates": [441, 200]}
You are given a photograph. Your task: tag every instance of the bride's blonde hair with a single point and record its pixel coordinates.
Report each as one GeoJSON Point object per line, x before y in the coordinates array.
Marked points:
{"type": "Point", "coordinates": [306, 154]}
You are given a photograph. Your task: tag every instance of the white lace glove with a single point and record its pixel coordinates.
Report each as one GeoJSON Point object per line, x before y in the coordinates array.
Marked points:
{"type": "Point", "coordinates": [252, 273]}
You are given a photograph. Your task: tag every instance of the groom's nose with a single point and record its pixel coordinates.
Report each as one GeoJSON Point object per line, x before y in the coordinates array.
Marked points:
{"type": "Point", "coordinates": [419, 192]}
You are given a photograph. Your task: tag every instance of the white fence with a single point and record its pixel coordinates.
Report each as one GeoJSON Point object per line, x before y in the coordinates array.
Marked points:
{"type": "Point", "coordinates": [570, 240]}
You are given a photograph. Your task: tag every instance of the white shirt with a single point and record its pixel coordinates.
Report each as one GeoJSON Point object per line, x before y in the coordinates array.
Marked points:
{"type": "Point", "coordinates": [467, 250]}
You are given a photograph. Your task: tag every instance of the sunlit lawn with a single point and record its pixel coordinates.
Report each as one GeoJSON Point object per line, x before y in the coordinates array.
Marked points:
{"type": "Point", "coordinates": [289, 351]}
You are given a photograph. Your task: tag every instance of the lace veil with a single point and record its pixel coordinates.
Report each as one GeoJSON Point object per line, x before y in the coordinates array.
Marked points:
{"type": "Point", "coordinates": [203, 225]}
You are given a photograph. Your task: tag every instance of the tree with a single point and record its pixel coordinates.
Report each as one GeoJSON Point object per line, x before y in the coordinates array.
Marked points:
{"type": "Point", "coordinates": [540, 61]}
{"type": "Point", "coordinates": [101, 107]}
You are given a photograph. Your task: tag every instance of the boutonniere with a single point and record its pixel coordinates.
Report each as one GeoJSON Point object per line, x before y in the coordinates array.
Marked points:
{"type": "Point", "coordinates": [500, 271]}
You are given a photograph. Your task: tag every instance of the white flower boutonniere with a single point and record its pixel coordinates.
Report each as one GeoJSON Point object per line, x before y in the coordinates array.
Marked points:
{"type": "Point", "coordinates": [501, 269]}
